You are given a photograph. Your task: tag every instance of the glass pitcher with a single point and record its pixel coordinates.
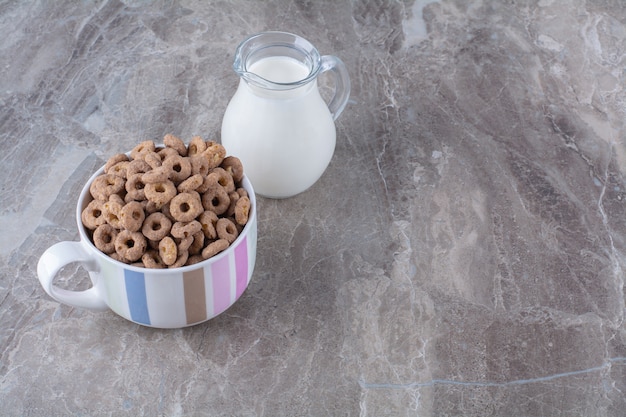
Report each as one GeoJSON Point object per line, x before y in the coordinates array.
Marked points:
{"type": "Point", "coordinates": [277, 122]}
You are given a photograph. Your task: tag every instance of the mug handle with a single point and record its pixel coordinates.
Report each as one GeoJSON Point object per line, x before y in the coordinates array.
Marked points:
{"type": "Point", "coordinates": [342, 84]}
{"type": "Point", "coordinates": [55, 258]}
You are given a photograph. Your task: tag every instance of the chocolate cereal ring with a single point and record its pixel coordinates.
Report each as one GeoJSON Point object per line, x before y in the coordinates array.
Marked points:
{"type": "Point", "coordinates": [215, 154]}
{"type": "Point", "coordinates": [155, 175]}
{"type": "Point", "coordinates": [214, 248]}
{"type": "Point", "coordinates": [242, 192]}
{"type": "Point", "coordinates": [208, 221]}
{"type": "Point", "coordinates": [112, 209]}
{"type": "Point", "coordinates": [227, 230]}
{"type": "Point", "coordinates": [194, 259]}
{"type": "Point", "coordinates": [183, 230]}
{"type": "Point", "coordinates": [132, 216]}
{"type": "Point", "coordinates": [168, 250]}
{"type": "Point", "coordinates": [196, 146]}
{"type": "Point", "coordinates": [151, 259]}
{"type": "Point", "coordinates": [242, 210]}
{"type": "Point", "coordinates": [114, 160]}
{"type": "Point", "coordinates": [156, 226]}
{"type": "Point", "coordinates": [198, 243]}
{"type": "Point", "coordinates": [166, 153]}
{"type": "Point", "coordinates": [142, 148]}
{"type": "Point", "coordinates": [181, 260]}
{"type": "Point", "coordinates": [234, 197]}
{"type": "Point", "coordinates": [130, 246]}
{"type": "Point", "coordinates": [104, 238]}
{"type": "Point", "coordinates": [216, 199]}
{"type": "Point", "coordinates": [223, 178]}
{"type": "Point", "coordinates": [160, 192]}
{"type": "Point", "coordinates": [184, 244]}
{"type": "Point", "coordinates": [199, 165]}
{"type": "Point", "coordinates": [174, 142]}
{"type": "Point", "coordinates": [137, 166]}
{"type": "Point", "coordinates": [153, 159]}
{"type": "Point", "coordinates": [191, 183]}
{"type": "Point", "coordinates": [233, 165]}
{"type": "Point", "coordinates": [104, 185]}
{"type": "Point", "coordinates": [119, 169]}
{"type": "Point", "coordinates": [93, 215]}
{"type": "Point", "coordinates": [185, 207]}
{"type": "Point", "coordinates": [179, 167]}
{"type": "Point", "coordinates": [135, 188]}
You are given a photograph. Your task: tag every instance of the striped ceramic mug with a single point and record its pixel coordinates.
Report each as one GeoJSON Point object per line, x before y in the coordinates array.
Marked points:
{"type": "Point", "coordinates": [163, 298]}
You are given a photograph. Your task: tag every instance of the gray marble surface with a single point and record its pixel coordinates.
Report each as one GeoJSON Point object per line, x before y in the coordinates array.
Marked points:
{"type": "Point", "coordinates": [463, 255]}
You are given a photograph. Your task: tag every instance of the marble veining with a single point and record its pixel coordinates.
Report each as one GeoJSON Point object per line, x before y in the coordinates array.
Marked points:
{"type": "Point", "coordinates": [463, 255]}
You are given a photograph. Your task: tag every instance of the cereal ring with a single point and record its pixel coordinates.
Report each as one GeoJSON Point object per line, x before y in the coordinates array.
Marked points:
{"type": "Point", "coordinates": [114, 255]}
{"type": "Point", "coordinates": [198, 243]}
{"type": "Point", "coordinates": [168, 250]}
{"type": "Point", "coordinates": [234, 197]}
{"type": "Point", "coordinates": [151, 259]}
{"type": "Point", "coordinates": [233, 165]}
{"type": "Point", "coordinates": [114, 160]}
{"type": "Point", "coordinates": [166, 153]}
{"type": "Point", "coordinates": [242, 192]}
{"type": "Point", "coordinates": [181, 260]}
{"type": "Point", "coordinates": [117, 198]}
{"type": "Point", "coordinates": [149, 206]}
{"type": "Point", "coordinates": [216, 199]}
{"type": "Point", "coordinates": [130, 246]}
{"type": "Point", "coordinates": [194, 259]}
{"type": "Point", "coordinates": [183, 230]}
{"type": "Point", "coordinates": [208, 220]}
{"type": "Point", "coordinates": [104, 238]}
{"type": "Point", "coordinates": [112, 211]}
{"type": "Point", "coordinates": [184, 244]}
{"type": "Point", "coordinates": [215, 154]}
{"type": "Point", "coordinates": [153, 159]}
{"type": "Point", "coordinates": [179, 168]}
{"type": "Point", "coordinates": [132, 216]}
{"type": "Point", "coordinates": [142, 148]}
{"type": "Point", "coordinates": [214, 248]}
{"type": "Point", "coordinates": [227, 230]}
{"type": "Point", "coordinates": [165, 209]}
{"type": "Point", "coordinates": [135, 188]}
{"type": "Point", "coordinates": [191, 183]}
{"type": "Point", "coordinates": [156, 226]}
{"type": "Point", "coordinates": [93, 215]}
{"type": "Point", "coordinates": [104, 185]}
{"type": "Point", "coordinates": [137, 166]}
{"type": "Point", "coordinates": [173, 142]}
{"type": "Point", "coordinates": [185, 207]}
{"type": "Point", "coordinates": [196, 146]}
{"type": "Point", "coordinates": [160, 192]}
{"type": "Point", "coordinates": [199, 165]}
{"type": "Point", "coordinates": [119, 169]}
{"type": "Point", "coordinates": [155, 175]}
{"type": "Point", "coordinates": [242, 210]}
{"type": "Point", "coordinates": [223, 178]}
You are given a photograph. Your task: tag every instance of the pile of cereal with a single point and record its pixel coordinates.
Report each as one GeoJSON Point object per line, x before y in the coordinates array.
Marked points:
{"type": "Point", "coordinates": [167, 206]}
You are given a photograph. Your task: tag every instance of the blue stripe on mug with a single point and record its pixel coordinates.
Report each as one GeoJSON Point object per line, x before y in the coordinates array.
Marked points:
{"type": "Point", "coordinates": [136, 295]}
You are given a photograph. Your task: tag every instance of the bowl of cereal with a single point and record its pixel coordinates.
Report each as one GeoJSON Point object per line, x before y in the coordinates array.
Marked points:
{"type": "Point", "coordinates": [168, 235]}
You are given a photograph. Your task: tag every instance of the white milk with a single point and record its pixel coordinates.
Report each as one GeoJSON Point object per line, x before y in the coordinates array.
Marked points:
{"type": "Point", "coordinates": [285, 139]}
{"type": "Point", "coordinates": [280, 69]}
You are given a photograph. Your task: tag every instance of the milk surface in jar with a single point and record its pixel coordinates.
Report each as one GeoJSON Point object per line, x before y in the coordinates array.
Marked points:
{"type": "Point", "coordinates": [284, 138]}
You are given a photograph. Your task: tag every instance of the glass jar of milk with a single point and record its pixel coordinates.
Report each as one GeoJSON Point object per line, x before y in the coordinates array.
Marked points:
{"type": "Point", "coordinates": [277, 123]}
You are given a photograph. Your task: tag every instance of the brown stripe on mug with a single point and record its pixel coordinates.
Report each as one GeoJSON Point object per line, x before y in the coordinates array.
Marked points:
{"type": "Point", "coordinates": [195, 301]}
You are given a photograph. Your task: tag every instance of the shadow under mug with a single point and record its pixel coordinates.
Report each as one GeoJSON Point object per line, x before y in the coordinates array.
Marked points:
{"type": "Point", "coordinates": [161, 298]}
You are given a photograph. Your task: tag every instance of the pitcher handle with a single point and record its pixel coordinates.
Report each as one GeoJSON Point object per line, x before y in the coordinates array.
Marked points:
{"type": "Point", "coordinates": [55, 258]}
{"type": "Point", "coordinates": [342, 84]}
